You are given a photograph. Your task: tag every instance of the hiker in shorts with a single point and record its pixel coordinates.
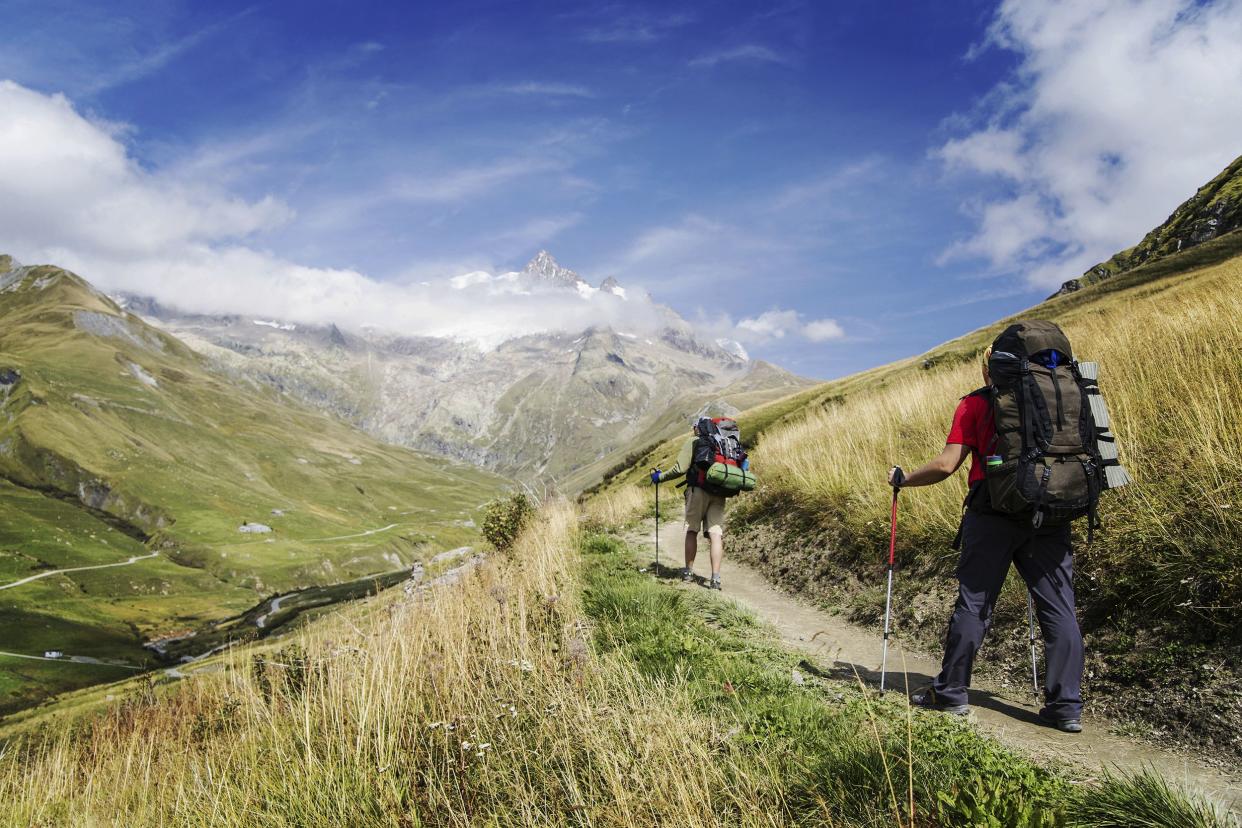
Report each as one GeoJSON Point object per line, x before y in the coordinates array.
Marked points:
{"type": "Point", "coordinates": [704, 512]}
{"type": "Point", "coordinates": [990, 541]}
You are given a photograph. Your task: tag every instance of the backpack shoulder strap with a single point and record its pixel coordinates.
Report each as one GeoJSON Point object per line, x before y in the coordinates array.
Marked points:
{"type": "Point", "coordinates": [985, 391]}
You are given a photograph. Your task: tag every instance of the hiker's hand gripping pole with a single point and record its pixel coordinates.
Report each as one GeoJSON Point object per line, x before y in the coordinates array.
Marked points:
{"type": "Point", "coordinates": [895, 477]}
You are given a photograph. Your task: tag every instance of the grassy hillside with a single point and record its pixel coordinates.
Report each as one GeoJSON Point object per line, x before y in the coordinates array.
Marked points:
{"type": "Point", "coordinates": [556, 686]}
{"type": "Point", "coordinates": [1161, 587]}
{"type": "Point", "coordinates": [117, 441]}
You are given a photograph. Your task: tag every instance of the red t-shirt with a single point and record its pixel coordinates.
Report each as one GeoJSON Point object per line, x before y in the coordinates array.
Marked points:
{"type": "Point", "coordinates": [973, 427]}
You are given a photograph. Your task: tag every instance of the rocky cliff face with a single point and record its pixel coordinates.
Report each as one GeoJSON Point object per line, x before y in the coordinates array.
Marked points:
{"type": "Point", "coordinates": [538, 406]}
{"type": "Point", "coordinates": [1213, 211]}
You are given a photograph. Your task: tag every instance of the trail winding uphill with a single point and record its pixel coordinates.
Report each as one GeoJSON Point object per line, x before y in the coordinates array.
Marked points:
{"type": "Point", "coordinates": [52, 572]}
{"type": "Point", "coordinates": [854, 653]}
{"type": "Point", "coordinates": [359, 535]}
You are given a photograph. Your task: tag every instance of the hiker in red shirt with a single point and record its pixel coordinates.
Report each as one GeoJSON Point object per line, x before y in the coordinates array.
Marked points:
{"type": "Point", "coordinates": [990, 541]}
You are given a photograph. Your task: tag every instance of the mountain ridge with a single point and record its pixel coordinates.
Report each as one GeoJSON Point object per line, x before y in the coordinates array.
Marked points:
{"type": "Point", "coordinates": [1213, 211]}
{"type": "Point", "coordinates": [544, 405]}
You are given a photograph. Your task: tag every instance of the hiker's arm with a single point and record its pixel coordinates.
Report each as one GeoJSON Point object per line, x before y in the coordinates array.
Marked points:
{"type": "Point", "coordinates": [936, 469]}
{"type": "Point", "coordinates": [684, 459]}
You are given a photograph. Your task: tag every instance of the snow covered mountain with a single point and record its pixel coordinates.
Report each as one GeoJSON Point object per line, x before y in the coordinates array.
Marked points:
{"type": "Point", "coordinates": [555, 406]}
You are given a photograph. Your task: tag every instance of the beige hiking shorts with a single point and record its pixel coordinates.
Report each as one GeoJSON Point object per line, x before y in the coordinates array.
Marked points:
{"type": "Point", "coordinates": [704, 512]}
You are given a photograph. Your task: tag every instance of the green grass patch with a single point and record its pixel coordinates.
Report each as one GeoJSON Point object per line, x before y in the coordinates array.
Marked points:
{"type": "Point", "coordinates": [822, 746]}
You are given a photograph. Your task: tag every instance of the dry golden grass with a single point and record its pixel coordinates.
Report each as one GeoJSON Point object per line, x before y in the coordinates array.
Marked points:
{"type": "Point", "coordinates": [620, 506]}
{"type": "Point", "coordinates": [483, 699]}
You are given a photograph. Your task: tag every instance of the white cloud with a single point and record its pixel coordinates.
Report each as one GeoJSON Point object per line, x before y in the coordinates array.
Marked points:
{"type": "Point", "coordinates": [1118, 111]}
{"type": "Point", "coordinates": [777, 324]}
{"type": "Point", "coordinates": [470, 182]}
{"type": "Point", "coordinates": [71, 195]}
{"type": "Point", "coordinates": [474, 277]}
{"type": "Point", "coordinates": [773, 324]}
{"type": "Point", "coordinates": [634, 26]}
{"type": "Point", "coordinates": [823, 330]}
{"type": "Point", "coordinates": [546, 89]}
{"type": "Point", "coordinates": [68, 182]}
{"type": "Point", "coordinates": [691, 234]}
{"type": "Point", "coordinates": [747, 53]}
{"type": "Point", "coordinates": [160, 56]}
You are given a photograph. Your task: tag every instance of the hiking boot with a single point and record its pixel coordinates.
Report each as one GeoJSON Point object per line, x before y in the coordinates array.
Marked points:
{"type": "Point", "coordinates": [926, 698]}
{"type": "Point", "coordinates": [687, 575]}
{"type": "Point", "coordinates": [1063, 725]}
{"type": "Point", "coordinates": [714, 583]}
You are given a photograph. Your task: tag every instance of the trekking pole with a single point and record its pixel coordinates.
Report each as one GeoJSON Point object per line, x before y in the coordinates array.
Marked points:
{"type": "Point", "coordinates": [657, 530]}
{"type": "Point", "coordinates": [1030, 618]}
{"type": "Point", "coordinates": [892, 556]}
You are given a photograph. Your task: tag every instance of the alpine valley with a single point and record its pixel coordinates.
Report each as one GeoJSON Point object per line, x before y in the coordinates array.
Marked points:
{"type": "Point", "coordinates": [171, 483]}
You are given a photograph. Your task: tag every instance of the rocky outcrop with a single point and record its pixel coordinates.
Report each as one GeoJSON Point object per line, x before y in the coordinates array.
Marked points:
{"type": "Point", "coordinates": [1213, 211]}
{"type": "Point", "coordinates": [544, 268]}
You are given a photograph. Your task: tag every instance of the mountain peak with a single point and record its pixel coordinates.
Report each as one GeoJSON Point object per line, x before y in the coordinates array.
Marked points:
{"type": "Point", "coordinates": [545, 268]}
{"type": "Point", "coordinates": [611, 285]}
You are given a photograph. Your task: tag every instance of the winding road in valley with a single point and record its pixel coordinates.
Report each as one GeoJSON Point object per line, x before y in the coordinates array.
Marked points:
{"type": "Point", "coordinates": [73, 660]}
{"type": "Point", "coordinates": [135, 559]}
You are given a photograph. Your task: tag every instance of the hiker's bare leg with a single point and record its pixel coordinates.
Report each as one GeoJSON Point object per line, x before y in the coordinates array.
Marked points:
{"type": "Point", "coordinates": [692, 548]}
{"type": "Point", "coordinates": [717, 539]}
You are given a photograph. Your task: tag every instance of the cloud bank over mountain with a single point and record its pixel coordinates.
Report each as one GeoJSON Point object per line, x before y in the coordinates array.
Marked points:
{"type": "Point", "coordinates": [1117, 110]}
{"type": "Point", "coordinates": [71, 194]}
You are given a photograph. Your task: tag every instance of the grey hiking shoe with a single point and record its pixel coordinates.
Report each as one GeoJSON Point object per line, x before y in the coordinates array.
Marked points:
{"type": "Point", "coordinates": [687, 575]}
{"type": "Point", "coordinates": [1063, 725]}
{"type": "Point", "coordinates": [926, 698]}
{"type": "Point", "coordinates": [714, 583]}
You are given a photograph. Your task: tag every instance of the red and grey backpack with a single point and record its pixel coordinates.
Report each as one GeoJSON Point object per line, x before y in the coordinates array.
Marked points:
{"type": "Point", "coordinates": [720, 465]}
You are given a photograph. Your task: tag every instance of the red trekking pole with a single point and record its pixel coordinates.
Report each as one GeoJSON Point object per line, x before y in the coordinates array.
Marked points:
{"type": "Point", "coordinates": [898, 476]}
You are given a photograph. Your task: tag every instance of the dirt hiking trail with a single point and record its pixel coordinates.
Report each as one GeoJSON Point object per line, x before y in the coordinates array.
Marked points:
{"type": "Point", "coordinates": [841, 650]}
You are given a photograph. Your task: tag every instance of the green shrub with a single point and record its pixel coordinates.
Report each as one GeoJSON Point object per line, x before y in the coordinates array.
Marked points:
{"type": "Point", "coordinates": [504, 519]}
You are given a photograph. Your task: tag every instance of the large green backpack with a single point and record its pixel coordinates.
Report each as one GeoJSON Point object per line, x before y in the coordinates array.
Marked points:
{"type": "Point", "coordinates": [1045, 462]}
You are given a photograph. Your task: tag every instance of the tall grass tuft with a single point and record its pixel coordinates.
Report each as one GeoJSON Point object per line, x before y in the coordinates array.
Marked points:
{"type": "Point", "coordinates": [1144, 800]}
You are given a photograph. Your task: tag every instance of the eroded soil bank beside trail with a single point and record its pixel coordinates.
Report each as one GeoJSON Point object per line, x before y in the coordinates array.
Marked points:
{"type": "Point", "coordinates": [850, 652]}
{"type": "Point", "coordinates": [1154, 680]}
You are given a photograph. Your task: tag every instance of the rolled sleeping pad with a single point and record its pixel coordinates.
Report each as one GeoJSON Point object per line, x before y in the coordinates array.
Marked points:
{"type": "Point", "coordinates": [732, 478]}
{"type": "Point", "coordinates": [1115, 475]}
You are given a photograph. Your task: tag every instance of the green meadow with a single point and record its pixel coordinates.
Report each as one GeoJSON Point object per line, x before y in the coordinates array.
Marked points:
{"type": "Point", "coordinates": [118, 441]}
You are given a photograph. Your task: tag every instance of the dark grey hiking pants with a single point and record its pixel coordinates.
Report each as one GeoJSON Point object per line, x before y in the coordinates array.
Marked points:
{"type": "Point", "coordinates": [1045, 561]}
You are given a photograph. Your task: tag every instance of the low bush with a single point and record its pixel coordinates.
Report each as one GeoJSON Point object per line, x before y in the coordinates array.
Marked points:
{"type": "Point", "coordinates": [505, 518]}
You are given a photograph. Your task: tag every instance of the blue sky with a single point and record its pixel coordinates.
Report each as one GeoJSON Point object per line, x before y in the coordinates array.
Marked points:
{"type": "Point", "coordinates": [897, 173]}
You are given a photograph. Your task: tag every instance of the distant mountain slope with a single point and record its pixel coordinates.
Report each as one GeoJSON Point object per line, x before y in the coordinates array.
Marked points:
{"type": "Point", "coordinates": [1212, 212]}
{"type": "Point", "coordinates": [548, 406]}
{"type": "Point", "coordinates": [117, 440]}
